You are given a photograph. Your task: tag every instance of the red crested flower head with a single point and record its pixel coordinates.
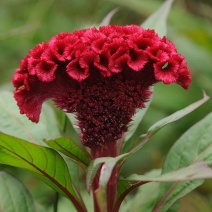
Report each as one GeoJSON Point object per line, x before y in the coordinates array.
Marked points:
{"type": "Point", "coordinates": [102, 75]}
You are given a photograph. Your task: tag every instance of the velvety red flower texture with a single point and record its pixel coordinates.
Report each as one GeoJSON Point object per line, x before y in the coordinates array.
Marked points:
{"type": "Point", "coordinates": [101, 75]}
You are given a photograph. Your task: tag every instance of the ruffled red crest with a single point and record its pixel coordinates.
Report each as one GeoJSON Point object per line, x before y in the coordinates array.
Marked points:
{"type": "Point", "coordinates": [102, 75]}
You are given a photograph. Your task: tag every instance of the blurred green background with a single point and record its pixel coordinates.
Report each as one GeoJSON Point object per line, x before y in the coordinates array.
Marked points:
{"type": "Point", "coordinates": [24, 23]}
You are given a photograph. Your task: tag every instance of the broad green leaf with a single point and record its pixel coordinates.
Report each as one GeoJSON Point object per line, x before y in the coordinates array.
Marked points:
{"type": "Point", "coordinates": [123, 186]}
{"type": "Point", "coordinates": [195, 171]}
{"type": "Point", "coordinates": [195, 145]}
{"type": "Point", "coordinates": [13, 195]}
{"type": "Point", "coordinates": [123, 189]}
{"type": "Point", "coordinates": [172, 118]}
{"type": "Point", "coordinates": [108, 17]}
{"type": "Point", "coordinates": [173, 192]}
{"type": "Point", "coordinates": [105, 174]}
{"type": "Point", "coordinates": [134, 126]}
{"type": "Point", "coordinates": [13, 123]}
{"type": "Point", "coordinates": [43, 162]}
{"type": "Point", "coordinates": [72, 150]}
{"type": "Point", "coordinates": [143, 200]}
{"type": "Point", "coordinates": [158, 19]}
{"type": "Point", "coordinates": [138, 200]}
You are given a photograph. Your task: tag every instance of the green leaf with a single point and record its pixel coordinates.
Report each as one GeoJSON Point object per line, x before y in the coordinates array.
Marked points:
{"type": "Point", "coordinates": [154, 129]}
{"type": "Point", "coordinates": [108, 17]}
{"type": "Point", "coordinates": [13, 195]}
{"type": "Point", "coordinates": [172, 118]}
{"type": "Point", "coordinates": [122, 187]}
{"type": "Point", "coordinates": [177, 115]}
{"type": "Point", "coordinates": [13, 123]}
{"type": "Point", "coordinates": [143, 200]}
{"type": "Point", "coordinates": [43, 162]}
{"type": "Point", "coordinates": [70, 149]}
{"type": "Point", "coordinates": [158, 19]}
{"type": "Point", "coordinates": [193, 146]}
{"type": "Point", "coordinates": [138, 200]}
{"type": "Point", "coordinates": [197, 170]}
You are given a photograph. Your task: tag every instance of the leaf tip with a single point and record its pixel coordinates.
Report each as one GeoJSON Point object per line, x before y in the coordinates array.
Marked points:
{"type": "Point", "coordinates": [205, 96]}
{"type": "Point", "coordinates": [108, 17]}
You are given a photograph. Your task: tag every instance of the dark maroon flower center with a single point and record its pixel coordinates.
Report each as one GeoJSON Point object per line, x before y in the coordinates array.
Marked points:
{"type": "Point", "coordinates": [105, 108]}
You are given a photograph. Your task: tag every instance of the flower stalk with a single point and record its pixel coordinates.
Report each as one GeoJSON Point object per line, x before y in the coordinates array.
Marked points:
{"type": "Point", "coordinates": [109, 150]}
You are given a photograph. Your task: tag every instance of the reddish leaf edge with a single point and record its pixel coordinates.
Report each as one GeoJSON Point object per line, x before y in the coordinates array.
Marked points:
{"type": "Point", "coordinates": [78, 206]}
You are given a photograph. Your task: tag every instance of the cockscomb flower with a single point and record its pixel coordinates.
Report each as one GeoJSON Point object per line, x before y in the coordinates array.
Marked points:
{"type": "Point", "coordinates": [102, 75]}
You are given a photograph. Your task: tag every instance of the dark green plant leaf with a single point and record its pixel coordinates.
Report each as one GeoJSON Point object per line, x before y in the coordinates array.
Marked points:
{"type": "Point", "coordinates": [154, 129]}
{"type": "Point", "coordinates": [13, 123]}
{"type": "Point", "coordinates": [158, 19]}
{"type": "Point", "coordinates": [13, 195]}
{"type": "Point", "coordinates": [193, 146]}
{"type": "Point", "coordinates": [122, 187]}
{"type": "Point", "coordinates": [43, 162]}
{"type": "Point", "coordinates": [143, 200]}
{"type": "Point", "coordinates": [138, 200]}
{"type": "Point", "coordinates": [196, 171]}
{"type": "Point", "coordinates": [172, 118]}
{"type": "Point", "coordinates": [70, 149]}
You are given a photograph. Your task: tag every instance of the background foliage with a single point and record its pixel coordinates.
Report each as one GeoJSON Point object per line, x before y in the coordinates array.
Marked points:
{"type": "Point", "coordinates": [24, 23]}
